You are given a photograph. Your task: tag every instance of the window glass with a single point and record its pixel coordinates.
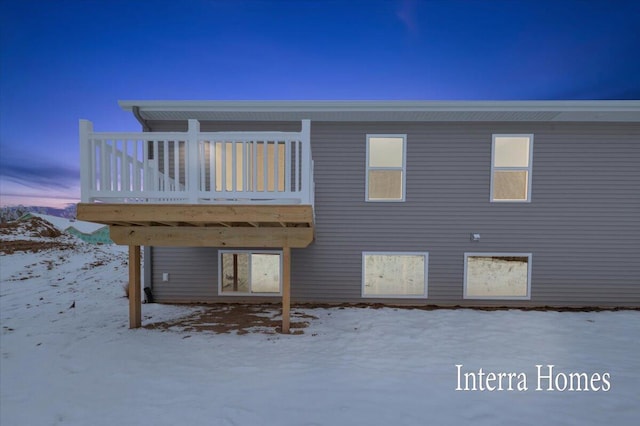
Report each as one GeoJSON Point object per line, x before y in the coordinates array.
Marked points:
{"type": "Point", "coordinates": [511, 152]}
{"type": "Point", "coordinates": [497, 276]}
{"type": "Point", "coordinates": [385, 168]}
{"type": "Point", "coordinates": [385, 184]}
{"type": "Point", "coordinates": [246, 272]}
{"type": "Point", "coordinates": [394, 275]}
{"type": "Point", "coordinates": [385, 152]}
{"type": "Point", "coordinates": [510, 185]}
{"type": "Point", "coordinates": [235, 272]}
{"type": "Point", "coordinates": [511, 168]}
{"type": "Point", "coordinates": [265, 273]}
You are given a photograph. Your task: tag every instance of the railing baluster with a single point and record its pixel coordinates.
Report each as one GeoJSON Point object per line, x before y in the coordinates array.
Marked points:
{"type": "Point", "coordinates": [114, 165]}
{"type": "Point", "coordinates": [298, 162]}
{"type": "Point", "coordinates": [265, 170]}
{"type": "Point", "coordinates": [122, 159]}
{"type": "Point", "coordinates": [176, 165]}
{"type": "Point", "coordinates": [117, 170]}
{"type": "Point", "coordinates": [165, 166]}
{"type": "Point", "coordinates": [103, 165]}
{"type": "Point", "coordinates": [276, 166]}
{"type": "Point", "coordinates": [234, 167]}
{"type": "Point", "coordinates": [245, 171]}
{"type": "Point", "coordinates": [254, 166]}
{"type": "Point", "coordinates": [110, 185]}
{"type": "Point", "coordinates": [212, 166]}
{"type": "Point", "coordinates": [125, 166]}
{"type": "Point", "coordinates": [300, 165]}
{"type": "Point", "coordinates": [155, 167]}
{"type": "Point", "coordinates": [223, 166]}
{"type": "Point", "coordinates": [202, 164]}
{"type": "Point", "coordinates": [287, 167]}
{"type": "Point", "coordinates": [135, 167]}
{"type": "Point", "coordinates": [93, 169]}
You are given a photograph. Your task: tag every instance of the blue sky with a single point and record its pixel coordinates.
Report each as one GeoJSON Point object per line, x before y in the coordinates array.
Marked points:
{"type": "Point", "coordinates": [69, 59]}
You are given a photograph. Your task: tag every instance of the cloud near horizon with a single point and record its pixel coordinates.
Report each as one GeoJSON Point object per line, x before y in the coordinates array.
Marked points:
{"type": "Point", "coordinates": [39, 174]}
{"type": "Point", "coordinates": [37, 182]}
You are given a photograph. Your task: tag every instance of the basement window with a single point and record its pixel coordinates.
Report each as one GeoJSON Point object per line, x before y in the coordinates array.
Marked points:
{"type": "Point", "coordinates": [497, 276]}
{"type": "Point", "coordinates": [511, 161]}
{"type": "Point", "coordinates": [257, 273]}
{"type": "Point", "coordinates": [394, 274]}
{"type": "Point", "coordinates": [386, 158]}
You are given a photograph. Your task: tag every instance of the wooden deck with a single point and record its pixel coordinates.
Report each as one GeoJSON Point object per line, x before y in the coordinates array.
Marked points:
{"type": "Point", "coordinates": [199, 189]}
{"type": "Point", "coordinates": [201, 225]}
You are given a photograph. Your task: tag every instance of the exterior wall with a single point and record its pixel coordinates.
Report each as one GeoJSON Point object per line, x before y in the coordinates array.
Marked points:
{"type": "Point", "coordinates": [582, 226]}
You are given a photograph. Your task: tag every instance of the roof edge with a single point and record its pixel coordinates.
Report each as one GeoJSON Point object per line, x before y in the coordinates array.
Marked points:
{"type": "Point", "coordinates": [379, 105]}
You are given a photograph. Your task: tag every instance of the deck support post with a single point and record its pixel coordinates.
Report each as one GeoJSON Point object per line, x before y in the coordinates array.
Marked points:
{"type": "Point", "coordinates": [86, 166]}
{"type": "Point", "coordinates": [193, 181]}
{"type": "Point", "coordinates": [135, 297]}
{"type": "Point", "coordinates": [286, 288]}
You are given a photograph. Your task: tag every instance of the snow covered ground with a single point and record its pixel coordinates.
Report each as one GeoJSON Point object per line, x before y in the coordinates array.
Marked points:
{"type": "Point", "coordinates": [81, 365]}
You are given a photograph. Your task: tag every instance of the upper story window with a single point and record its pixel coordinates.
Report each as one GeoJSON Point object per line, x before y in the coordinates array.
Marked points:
{"type": "Point", "coordinates": [386, 167]}
{"type": "Point", "coordinates": [511, 161]}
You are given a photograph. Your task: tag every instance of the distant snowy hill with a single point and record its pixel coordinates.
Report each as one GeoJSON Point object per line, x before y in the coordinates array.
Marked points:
{"type": "Point", "coordinates": [96, 233]}
{"type": "Point", "coordinates": [9, 213]}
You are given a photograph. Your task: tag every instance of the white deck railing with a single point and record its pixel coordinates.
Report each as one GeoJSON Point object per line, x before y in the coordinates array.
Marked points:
{"type": "Point", "coordinates": [196, 167]}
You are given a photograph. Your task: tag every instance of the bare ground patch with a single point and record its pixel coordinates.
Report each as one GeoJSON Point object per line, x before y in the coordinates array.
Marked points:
{"type": "Point", "coordinates": [32, 235]}
{"type": "Point", "coordinates": [236, 318]}
{"type": "Point", "coordinates": [10, 247]}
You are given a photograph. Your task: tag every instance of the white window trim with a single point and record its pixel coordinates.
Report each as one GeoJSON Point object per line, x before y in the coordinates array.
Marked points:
{"type": "Point", "coordinates": [529, 169]}
{"type": "Point", "coordinates": [403, 168]}
{"type": "Point", "coordinates": [232, 293]}
{"type": "Point", "coordinates": [396, 296]}
{"type": "Point", "coordinates": [492, 254]}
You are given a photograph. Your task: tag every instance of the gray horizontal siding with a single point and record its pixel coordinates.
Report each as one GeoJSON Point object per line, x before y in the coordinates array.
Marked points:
{"type": "Point", "coordinates": [192, 271]}
{"type": "Point", "coordinates": [582, 226]}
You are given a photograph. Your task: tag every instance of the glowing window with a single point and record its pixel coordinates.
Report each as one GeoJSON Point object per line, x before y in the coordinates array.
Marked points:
{"type": "Point", "coordinates": [386, 155]}
{"type": "Point", "coordinates": [249, 273]}
{"type": "Point", "coordinates": [511, 168]}
{"type": "Point", "coordinates": [497, 275]}
{"type": "Point", "coordinates": [394, 274]}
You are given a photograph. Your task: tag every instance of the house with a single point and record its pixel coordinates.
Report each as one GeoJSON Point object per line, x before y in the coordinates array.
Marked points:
{"type": "Point", "coordinates": [92, 233]}
{"type": "Point", "coordinates": [482, 203]}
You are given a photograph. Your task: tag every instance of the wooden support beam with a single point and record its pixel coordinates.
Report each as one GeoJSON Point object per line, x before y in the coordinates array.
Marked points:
{"type": "Point", "coordinates": [135, 297]}
{"type": "Point", "coordinates": [194, 213]}
{"type": "Point", "coordinates": [181, 236]}
{"type": "Point", "coordinates": [286, 289]}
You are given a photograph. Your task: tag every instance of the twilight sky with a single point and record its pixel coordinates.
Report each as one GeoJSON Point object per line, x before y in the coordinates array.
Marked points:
{"type": "Point", "coordinates": [69, 59]}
